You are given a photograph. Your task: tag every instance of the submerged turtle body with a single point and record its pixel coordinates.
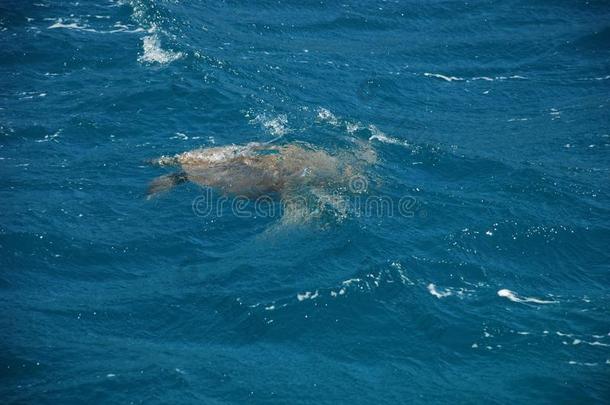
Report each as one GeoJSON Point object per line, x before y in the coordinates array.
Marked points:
{"type": "Point", "coordinates": [253, 170]}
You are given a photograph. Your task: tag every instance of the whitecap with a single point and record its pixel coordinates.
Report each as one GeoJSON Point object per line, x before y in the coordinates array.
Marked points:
{"type": "Point", "coordinates": [515, 298]}
{"type": "Point", "coordinates": [438, 294]}
{"type": "Point", "coordinates": [381, 137]}
{"type": "Point", "coordinates": [327, 116]}
{"type": "Point", "coordinates": [180, 135]}
{"type": "Point", "coordinates": [307, 295]}
{"type": "Point", "coordinates": [153, 53]}
{"type": "Point", "coordinates": [351, 127]}
{"type": "Point", "coordinates": [351, 281]}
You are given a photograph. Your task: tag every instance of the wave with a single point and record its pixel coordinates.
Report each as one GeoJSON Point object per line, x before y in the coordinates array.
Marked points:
{"type": "Point", "coordinates": [154, 53]}
{"type": "Point", "coordinates": [150, 18]}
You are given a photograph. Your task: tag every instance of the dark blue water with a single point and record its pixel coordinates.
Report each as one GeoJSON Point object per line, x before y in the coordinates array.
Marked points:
{"type": "Point", "coordinates": [492, 116]}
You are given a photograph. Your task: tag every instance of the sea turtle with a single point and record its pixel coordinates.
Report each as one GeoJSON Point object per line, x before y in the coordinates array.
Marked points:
{"type": "Point", "coordinates": [258, 169]}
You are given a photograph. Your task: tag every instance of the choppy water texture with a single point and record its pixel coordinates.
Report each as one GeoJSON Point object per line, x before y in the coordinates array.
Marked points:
{"type": "Point", "coordinates": [491, 115]}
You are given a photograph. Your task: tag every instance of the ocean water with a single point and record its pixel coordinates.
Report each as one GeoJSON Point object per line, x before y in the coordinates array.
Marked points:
{"type": "Point", "coordinates": [490, 119]}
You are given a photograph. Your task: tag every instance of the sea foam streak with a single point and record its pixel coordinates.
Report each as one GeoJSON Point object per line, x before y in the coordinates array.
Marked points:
{"type": "Point", "coordinates": [71, 26]}
{"type": "Point", "coordinates": [461, 79]}
{"type": "Point", "coordinates": [443, 77]}
{"type": "Point", "coordinates": [515, 298]}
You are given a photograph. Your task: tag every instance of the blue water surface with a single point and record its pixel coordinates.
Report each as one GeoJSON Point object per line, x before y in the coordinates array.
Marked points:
{"type": "Point", "coordinates": [492, 116]}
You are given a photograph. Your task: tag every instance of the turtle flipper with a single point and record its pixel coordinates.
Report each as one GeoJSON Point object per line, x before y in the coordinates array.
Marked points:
{"type": "Point", "coordinates": [164, 183]}
{"type": "Point", "coordinates": [164, 161]}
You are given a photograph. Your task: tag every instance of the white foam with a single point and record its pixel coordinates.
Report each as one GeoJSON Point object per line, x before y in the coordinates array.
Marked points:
{"type": "Point", "coordinates": [327, 116]}
{"type": "Point", "coordinates": [49, 138]}
{"type": "Point", "coordinates": [598, 336]}
{"type": "Point", "coordinates": [510, 77]}
{"type": "Point", "coordinates": [153, 53]}
{"type": "Point", "coordinates": [443, 77]}
{"type": "Point", "coordinates": [180, 135]}
{"type": "Point", "coordinates": [484, 78]}
{"type": "Point", "coordinates": [70, 26]}
{"type": "Point", "coordinates": [371, 281]}
{"type": "Point", "coordinates": [403, 278]}
{"type": "Point", "coordinates": [597, 78]}
{"type": "Point", "coordinates": [578, 363]}
{"type": "Point", "coordinates": [555, 114]}
{"type": "Point", "coordinates": [515, 298]}
{"type": "Point", "coordinates": [381, 137]}
{"type": "Point", "coordinates": [595, 343]}
{"type": "Point", "coordinates": [118, 27]}
{"type": "Point", "coordinates": [356, 282]}
{"type": "Point", "coordinates": [124, 28]}
{"type": "Point", "coordinates": [351, 127]}
{"type": "Point", "coordinates": [276, 126]}
{"type": "Point", "coordinates": [307, 295]}
{"type": "Point", "coordinates": [29, 95]}
{"type": "Point", "coordinates": [438, 294]}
